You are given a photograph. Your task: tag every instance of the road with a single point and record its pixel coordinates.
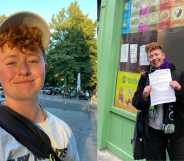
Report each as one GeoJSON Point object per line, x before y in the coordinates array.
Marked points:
{"type": "Point", "coordinates": [81, 117]}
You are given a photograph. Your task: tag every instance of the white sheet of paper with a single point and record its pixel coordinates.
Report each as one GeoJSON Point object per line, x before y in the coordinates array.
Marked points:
{"type": "Point", "coordinates": [143, 59]}
{"type": "Point", "coordinates": [161, 91]}
{"type": "Point", "coordinates": [124, 53]}
{"type": "Point", "coordinates": [133, 53]}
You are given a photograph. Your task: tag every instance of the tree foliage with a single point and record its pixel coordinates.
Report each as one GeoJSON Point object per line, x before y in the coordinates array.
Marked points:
{"type": "Point", "coordinates": [2, 18]}
{"type": "Point", "coordinates": [72, 48]}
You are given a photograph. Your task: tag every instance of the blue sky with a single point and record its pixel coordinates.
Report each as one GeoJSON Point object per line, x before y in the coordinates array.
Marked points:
{"type": "Point", "coordinates": [46, 8]}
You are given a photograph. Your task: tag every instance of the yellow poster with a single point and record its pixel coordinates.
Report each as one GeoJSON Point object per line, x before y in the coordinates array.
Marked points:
{"type": "Point", "coordinates": [177, 16]}
{"type": "Point", "coordinates": [125, 87]}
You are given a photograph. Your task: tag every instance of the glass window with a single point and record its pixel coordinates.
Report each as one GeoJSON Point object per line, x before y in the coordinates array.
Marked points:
{"type": "Point", "coordinates": [143, 22]}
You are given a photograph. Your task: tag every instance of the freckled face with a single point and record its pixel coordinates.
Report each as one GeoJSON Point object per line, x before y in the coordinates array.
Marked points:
{"type": "Point", "coordinates": [156, 58]}
{"type": "Point", "coordinates": [22, 75]}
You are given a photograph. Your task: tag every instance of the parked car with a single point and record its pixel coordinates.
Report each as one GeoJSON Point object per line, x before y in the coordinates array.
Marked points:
{"type": "Point", "coordinates": [56, 91]}
{"type": "Point", "coordinates": [46, 90]}
{"type": "Point", "coordinates": [73, 94]}
{"type": "Point", "coordinates": [82, 96]}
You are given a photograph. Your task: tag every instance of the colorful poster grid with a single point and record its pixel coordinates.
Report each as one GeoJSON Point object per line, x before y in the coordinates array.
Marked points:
{"type": "Point", "coordinates": [148, 15]}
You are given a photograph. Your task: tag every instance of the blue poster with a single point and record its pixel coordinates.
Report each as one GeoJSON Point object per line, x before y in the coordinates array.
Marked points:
{"type": "Point", "coordinates": [126, 17]}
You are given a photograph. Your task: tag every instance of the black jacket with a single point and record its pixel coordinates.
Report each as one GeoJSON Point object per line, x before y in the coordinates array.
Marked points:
{"type": "Point", "coordinates": [143, 105]}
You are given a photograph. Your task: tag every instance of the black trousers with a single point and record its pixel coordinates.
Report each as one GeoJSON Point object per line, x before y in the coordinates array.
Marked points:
{"type": "Point", "coordinates": [156, 144]}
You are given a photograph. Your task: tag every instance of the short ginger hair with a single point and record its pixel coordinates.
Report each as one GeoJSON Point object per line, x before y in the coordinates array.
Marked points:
{"type": "Point", "coordinates": [152, 46]}
{"type": "Point", "coordinates": [23, 37]}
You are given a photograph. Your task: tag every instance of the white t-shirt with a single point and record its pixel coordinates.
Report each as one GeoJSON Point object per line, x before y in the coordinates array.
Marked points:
{"type": "Point", "coordinates": [59, 133]}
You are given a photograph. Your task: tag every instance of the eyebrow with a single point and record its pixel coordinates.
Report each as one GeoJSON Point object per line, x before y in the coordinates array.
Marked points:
{"type": "Point", "coordinates": [10, 56]}
{"type": "Point", "coordinates": [30, 53]}
{"type": "Point", "coordinates": [33, 55]}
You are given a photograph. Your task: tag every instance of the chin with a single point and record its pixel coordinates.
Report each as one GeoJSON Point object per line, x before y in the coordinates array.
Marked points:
{"type": "Point", "coordinates": [156, 65]}
{"type": "Point", "coordinates": [23, 95]}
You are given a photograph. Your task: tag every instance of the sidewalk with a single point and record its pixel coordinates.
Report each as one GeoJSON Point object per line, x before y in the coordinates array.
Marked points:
{"type": "Point", "coordinates": [105, 155]}
{"type": "Point", "coordinates": [62, 99]}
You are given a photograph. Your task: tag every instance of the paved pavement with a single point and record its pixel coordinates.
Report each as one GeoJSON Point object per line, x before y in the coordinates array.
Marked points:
{"type": "Point", "coordinates": [105, 155]}
{"type": "Point", "coordinates": [81, 117]}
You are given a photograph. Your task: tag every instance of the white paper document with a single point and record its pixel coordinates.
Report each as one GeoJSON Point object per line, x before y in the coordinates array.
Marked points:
{"type": "Point", "coordinates": [124, 53]}
{"type": "Point", "coordinates": [143, 60]}
{"type": "Point", "coordinates": [133, 53]}
{"type": "Point", "coordinates": [161, 91]}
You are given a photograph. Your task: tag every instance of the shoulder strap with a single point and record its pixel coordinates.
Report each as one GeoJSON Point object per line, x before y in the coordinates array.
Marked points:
{"type": "Point", "coordinates": [27, 133]}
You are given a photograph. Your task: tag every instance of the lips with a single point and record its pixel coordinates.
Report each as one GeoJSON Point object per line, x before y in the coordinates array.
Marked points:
{"type": "Point", "coordinates": [156, 60]}
{"type": "Point", "coordinates": [23, 81]}
{"type": "Point", "coordinates": [156, 63]}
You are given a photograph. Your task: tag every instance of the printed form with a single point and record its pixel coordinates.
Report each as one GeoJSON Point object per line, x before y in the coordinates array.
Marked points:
{"type": "Point", "coordinates": [161, 91]}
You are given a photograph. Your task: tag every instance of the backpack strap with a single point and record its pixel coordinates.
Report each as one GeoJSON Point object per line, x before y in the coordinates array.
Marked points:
{"type": "Point", "coordinates": [27, 133]}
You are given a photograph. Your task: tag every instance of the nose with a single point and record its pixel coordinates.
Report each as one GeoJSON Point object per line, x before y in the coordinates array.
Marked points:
{"type": "Point", "coordinates": [24, 69]}
{"type": "Point", "coordinates": [153, 58]}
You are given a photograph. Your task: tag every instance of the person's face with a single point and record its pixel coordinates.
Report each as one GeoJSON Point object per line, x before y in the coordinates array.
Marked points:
{"type": "Point", "coordinates": [22, 74]}
{"type": "Point", "coordinates": [156, 58]}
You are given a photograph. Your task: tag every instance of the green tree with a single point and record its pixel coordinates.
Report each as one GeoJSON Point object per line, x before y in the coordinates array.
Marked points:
{"type": "Point", "coordinates": [2, 18]}
{"type": "Point", "coordinates": [72, 48]}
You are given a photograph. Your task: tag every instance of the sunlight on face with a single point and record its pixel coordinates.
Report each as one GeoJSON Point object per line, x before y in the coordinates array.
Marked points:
{"type": "Point", "coordinates": [22, 73]}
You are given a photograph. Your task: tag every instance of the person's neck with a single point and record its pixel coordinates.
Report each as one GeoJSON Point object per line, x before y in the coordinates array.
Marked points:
{"type": "Point", "coordinates": [28, 108]}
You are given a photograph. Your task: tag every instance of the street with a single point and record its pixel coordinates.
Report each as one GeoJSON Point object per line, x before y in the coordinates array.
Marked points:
{"type": "Point", "coordinates": [81, 117]}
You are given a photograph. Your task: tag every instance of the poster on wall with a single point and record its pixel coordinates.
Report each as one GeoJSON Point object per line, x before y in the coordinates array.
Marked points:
{"type": "Point", "coordinates": [143, 23]}
{"type": "Point", "coordinates": [125, 87]}
{"type": "Point", "coordinates": [155, 4]}
{"type": "Point", "coordinates": [124, 53]}
{"type": "Point", "coordinates": [143, 56]}
{"type": "Point", "coordinates": [177, 16]}
{"type": "Point", "coordinates": [143, 16]}
{"type": "Point", "coordinates": [126, 17]}
{"type": "Point", "coordinates": [133, 53]}
{"type": "Point", "coordinates": [135, 7]}
{"type": "Point", "coordinates": [134, 20]}
{"type": "Point", "coordinates": [165, 18]}
{"type": "Point", "coordinates": [153, 20]}
{"type": "Point", "coordinates": [153, 16]}
{"type": "Point", "coordinates": [147, 15]}
{"type": "Point", "coordinates": [165, 4]}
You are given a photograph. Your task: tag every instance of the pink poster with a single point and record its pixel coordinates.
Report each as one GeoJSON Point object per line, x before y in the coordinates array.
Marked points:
{"type": "Point", "coordinates": [143, 19]}
{"type": "Point", "coordinates": [164, 18]}
{"type": "Point", "coordinates": [165, 4]}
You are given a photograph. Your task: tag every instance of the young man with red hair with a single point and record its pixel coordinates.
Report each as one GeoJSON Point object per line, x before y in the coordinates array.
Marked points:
{"type": "Point", "coordinates": [24, 38]}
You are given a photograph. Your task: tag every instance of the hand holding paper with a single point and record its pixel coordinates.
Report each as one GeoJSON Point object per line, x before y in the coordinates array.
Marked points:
{"type": "Point", "coordinates": [175, 85]}
{"type": "Point", "coordinates": [161, 91]}
{"type": "Point", "coordinates": [147, 91]}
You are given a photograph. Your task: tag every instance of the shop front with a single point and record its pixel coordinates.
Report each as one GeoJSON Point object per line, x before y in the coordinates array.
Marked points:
{"type": "Point", "coordinates": [124, 28]}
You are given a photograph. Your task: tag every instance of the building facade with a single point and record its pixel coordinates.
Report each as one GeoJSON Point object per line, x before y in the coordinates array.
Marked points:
{"type": "Point", "coordinates": [124, 28]}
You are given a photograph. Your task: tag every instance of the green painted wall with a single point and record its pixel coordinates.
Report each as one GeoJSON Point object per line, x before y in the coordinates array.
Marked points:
{"type": "Point", "coordinates": [115, 126]}
{"type": "Point", "coordinates": [108, 40]}
{"type": "Point", "coordinates": [119, 135]}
